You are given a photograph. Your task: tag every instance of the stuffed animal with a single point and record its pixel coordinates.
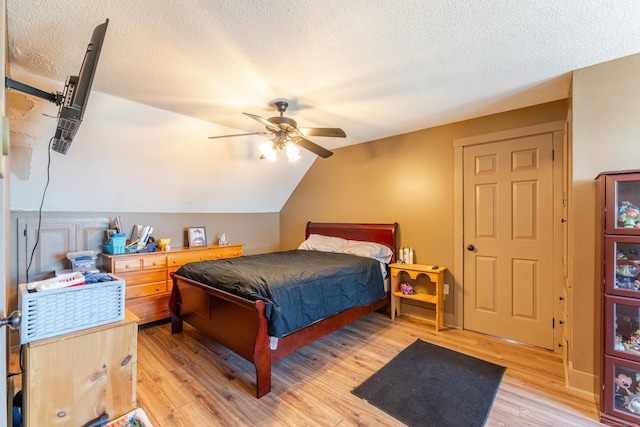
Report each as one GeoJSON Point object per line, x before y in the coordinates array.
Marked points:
{"type": "Point", "coordinates": [406, 289]}
{"type": "Point", "coordinates": [622, 386]}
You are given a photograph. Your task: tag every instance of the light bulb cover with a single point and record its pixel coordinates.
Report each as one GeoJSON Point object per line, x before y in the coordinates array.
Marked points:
{"type": "Point", "coordinates": [293, 152]}
{"type": "Point", "coordinates": [268, 150]}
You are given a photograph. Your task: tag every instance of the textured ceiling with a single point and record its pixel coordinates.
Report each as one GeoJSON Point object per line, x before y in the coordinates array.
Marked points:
{"type": "Point", "coordinates": [373, 68]}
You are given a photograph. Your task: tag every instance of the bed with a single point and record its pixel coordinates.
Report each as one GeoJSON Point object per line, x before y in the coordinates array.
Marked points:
{"type": "Point", "coordinates": [241, 322]}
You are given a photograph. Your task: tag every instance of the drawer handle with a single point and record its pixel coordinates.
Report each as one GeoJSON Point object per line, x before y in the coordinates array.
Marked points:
{"type": "Point", "coordinates": [175, 261]}
{"type": "Point", "coordinates": [217, 255]}
{"type": "Point", "coordinates": [127, 266]}
{"type": "Point", "coordinates": [201, 258]}
{"type": "Point", "coordinates": [155, 263]}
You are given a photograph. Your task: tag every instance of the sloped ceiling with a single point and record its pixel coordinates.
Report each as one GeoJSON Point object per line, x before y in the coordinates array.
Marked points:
{"type": "Point", "coordinates": [373, 68]}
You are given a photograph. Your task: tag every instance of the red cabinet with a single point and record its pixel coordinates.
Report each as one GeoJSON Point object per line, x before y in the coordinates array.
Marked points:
{"type": "Point", "coordinates": [618, 274]}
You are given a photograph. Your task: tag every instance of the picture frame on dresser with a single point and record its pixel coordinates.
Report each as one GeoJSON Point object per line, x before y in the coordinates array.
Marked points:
{"type": "Point", "coordinates": [197, 237]}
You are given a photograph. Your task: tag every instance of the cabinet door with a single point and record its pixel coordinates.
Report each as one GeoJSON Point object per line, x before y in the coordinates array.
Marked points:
{"type": "Point", "coordinates": [621, 389]}
{"type": "Point", "coordinates": [622, 265]}
{"type": "Point", "coordinates": [622, 327]}
{"type": "Point", "coordinates": [623, 203]}
{"type": "Point", "coordinates": [72, 379]}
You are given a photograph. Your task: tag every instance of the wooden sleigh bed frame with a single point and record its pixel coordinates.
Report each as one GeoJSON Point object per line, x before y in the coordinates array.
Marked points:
{"type": "Point", "coordinates": [240, 324]}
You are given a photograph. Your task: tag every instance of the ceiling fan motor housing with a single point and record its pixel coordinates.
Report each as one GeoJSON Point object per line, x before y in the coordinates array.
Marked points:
{"type": "Point", "coordinates": [284, 122]}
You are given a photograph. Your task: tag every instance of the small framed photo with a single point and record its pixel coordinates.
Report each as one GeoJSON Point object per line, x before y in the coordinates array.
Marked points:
{"type": "Point", "coordinates": [197, 237]}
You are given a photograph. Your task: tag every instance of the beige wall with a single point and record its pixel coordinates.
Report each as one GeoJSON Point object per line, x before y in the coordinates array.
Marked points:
{"type": "Point", "coordinates": [606, 137]}
{"type": "Point", "coordinates": [406, 179]}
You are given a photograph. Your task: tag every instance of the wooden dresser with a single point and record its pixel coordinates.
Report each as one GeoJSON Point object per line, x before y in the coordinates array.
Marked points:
{"type": "Point", "coordinates": [148, 284]}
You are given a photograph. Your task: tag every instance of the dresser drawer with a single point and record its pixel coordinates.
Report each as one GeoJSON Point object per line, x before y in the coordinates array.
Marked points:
{"type": "Point", "coordinates": [151, 262]}
{"type": "Point", "coordinates": [178, 259]}
{"type": "Point", "coordinates": [145, 289]}
{"type": "Point", "coordinates": [126, 264]}
{"type": "Point", "coordinates": [140, 277]}
{"type": "Point", "coordinates": [226, 252]}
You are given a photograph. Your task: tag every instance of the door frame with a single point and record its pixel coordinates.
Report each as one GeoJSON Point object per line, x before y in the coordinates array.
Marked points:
{"type": "Point", "coordinates": [6, 392]}
{"type": "Point", "coordinates": [557, 128]}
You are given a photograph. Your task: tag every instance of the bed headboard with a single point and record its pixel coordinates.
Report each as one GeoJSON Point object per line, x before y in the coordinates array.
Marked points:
{"type": "Point", "coordinates": [384, 234]}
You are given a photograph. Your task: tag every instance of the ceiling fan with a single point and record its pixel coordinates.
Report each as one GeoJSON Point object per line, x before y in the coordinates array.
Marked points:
{"type": "Point", "coordinates": [287, 135]}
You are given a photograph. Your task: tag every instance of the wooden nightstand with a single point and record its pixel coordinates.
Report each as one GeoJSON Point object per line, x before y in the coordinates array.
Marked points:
{"type": "Point", "coordinates": [436, 275]}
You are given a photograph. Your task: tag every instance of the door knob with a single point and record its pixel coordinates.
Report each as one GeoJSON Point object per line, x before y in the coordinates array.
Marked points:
{"type": "Point", "coordinates": [471, 248]}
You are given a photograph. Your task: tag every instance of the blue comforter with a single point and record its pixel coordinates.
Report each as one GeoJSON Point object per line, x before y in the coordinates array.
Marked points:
{"type": "Point", "coordinates": [299, 286]}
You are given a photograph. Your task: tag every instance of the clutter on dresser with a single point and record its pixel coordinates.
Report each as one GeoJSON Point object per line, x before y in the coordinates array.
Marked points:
{"type": "Point", "coordinates": [141, 234]}
{"type": "Point", "coordinates": [164, 244]}
{"type": "Point", "coordinates": [223, 241]}
{"type": "Point", "coordinates": [117, 244]}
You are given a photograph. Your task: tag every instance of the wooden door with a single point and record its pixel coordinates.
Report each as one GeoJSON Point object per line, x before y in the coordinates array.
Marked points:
{"type": "Point", "coordinates": [508, 235]}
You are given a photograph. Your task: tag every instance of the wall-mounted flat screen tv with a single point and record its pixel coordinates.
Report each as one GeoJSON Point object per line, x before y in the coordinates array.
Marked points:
{"type": "Point", "coordinates": [76, 93]}
{"type": "Point", "coordinates": [73, 100]}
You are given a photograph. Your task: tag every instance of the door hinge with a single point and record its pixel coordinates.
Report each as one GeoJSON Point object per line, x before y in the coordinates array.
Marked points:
{"type": "Point", "coordinates": [553, 323]}
{"type": "Point", "coordinates": [553, 155]}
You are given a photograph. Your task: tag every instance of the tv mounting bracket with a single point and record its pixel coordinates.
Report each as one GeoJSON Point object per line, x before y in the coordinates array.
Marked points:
{"type": "Point", "coordinates": [55, 97]}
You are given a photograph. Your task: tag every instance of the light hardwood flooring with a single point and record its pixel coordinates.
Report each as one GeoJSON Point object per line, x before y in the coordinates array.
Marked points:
{"type": "Point", "coordinates": [187, 380]}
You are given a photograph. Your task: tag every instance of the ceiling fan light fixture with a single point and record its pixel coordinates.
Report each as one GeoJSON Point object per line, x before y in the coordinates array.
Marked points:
{"type": "Point", "coordinates": [268, 150]}
{"type": "Point", "coordinates": [293, 152]}
{"type": "Point", "coordinates": [287, 137]}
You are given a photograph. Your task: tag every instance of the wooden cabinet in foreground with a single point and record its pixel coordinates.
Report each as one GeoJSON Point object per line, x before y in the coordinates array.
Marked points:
{"type": "Point", "coordinates": [72, 379]}
{"type": "Point", "coordinates": [148, 284]}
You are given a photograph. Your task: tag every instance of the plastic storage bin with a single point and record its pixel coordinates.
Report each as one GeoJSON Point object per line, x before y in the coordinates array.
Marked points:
{"type": "Point", "coordinates": [83, 261]}
{"type": "Point", "coordinates": [61, 311]}
{"type": "Point", "coordinates": [116, 244]}
{"type": "Point", "coordinates": [82, 265]}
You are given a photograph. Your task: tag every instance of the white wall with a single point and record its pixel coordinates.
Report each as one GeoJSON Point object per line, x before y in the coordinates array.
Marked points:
{"type": "Point", "coordinates": [134, 158]}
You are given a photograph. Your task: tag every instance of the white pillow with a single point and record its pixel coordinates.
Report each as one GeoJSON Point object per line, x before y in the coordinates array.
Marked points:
{"type": "Point", "coordinates": [318, 242]}
{"type": "Point", "coordinates": [376, 251]}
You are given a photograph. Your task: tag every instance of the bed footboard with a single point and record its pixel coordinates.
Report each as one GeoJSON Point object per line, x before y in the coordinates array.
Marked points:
{"type": "Point", "coordinates": [234, 322]}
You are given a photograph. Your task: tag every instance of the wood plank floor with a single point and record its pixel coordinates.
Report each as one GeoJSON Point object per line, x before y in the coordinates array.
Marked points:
{"type": "Point", "coordinates": [187, 380]}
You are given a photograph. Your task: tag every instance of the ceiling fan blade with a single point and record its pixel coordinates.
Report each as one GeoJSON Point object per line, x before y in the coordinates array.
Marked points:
{"type": "Point", "coordinates": [333, 132]}
{"type": "Point", "coordinates": [264, 121]}
{"type": "Point", "coordinates": [313, 147]}
{"type": "Point", "coordinates": [239, 134]}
